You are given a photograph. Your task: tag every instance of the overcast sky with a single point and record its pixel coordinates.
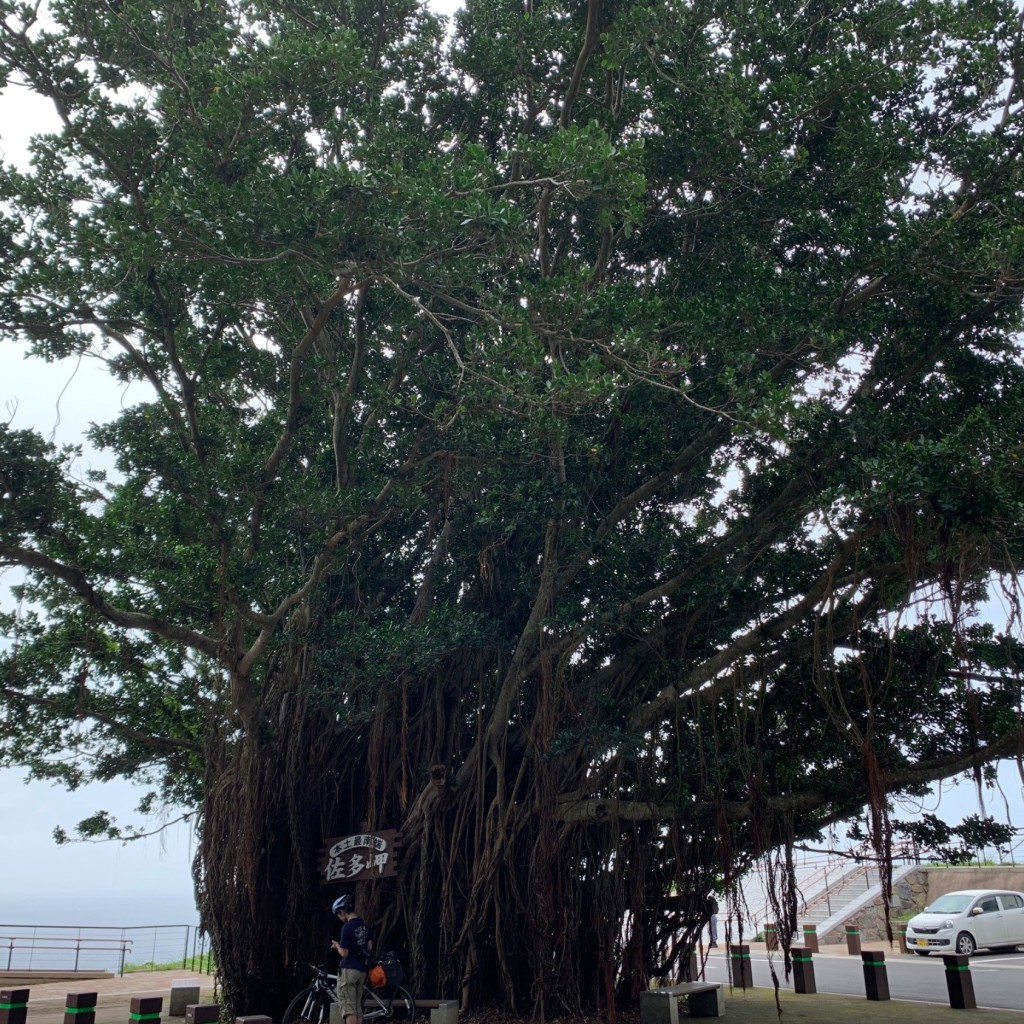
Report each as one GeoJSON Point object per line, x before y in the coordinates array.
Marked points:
{"type": "Point", "coordinates": [149, 881]}
{"type": "Point", "coordinates": [43, 882]}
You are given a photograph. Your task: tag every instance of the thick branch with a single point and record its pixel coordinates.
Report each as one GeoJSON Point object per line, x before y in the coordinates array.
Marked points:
{"type": "Point", "coordinates": [80, 584]}
{"type": "Point", "coordinates": [293, 416]}
{"type": "Point", "coordinates": [571, 810]}
{"type": "Point", "coordinates": [644, 717]}
{"type": "Point", "coordinates": [160, 744]}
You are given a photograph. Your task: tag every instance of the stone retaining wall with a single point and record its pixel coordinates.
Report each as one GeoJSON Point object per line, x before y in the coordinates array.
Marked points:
{"type": "Point", "coordinates": [921, 887]}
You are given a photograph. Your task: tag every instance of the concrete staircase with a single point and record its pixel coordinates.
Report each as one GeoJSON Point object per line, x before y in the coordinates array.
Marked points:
{"type": "Point", "coordinates": [837, 894]}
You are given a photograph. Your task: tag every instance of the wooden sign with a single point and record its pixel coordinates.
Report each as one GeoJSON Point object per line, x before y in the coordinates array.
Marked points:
{"type": "Point", "coordinates": [359, 857]}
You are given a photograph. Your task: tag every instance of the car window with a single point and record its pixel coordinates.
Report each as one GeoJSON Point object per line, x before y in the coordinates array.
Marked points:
{"type": "Point", "coordinates": [989, 905]}
{"type": "Point", "coordinates": [1012, 902]}
{"type": "Point", "coordinates": [951, 903]}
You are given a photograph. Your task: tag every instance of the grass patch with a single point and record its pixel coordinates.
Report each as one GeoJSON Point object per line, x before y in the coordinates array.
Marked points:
{"type": "Point", "coordinates": [757, 1006]}
{"type": "Point", "coordinates": [190, 963]}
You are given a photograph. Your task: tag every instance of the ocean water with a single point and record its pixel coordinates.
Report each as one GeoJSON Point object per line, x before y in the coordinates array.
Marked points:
{"type": "Point", "coordinates": [94, 910]}
{"type": "Point", "coordinates": [97, 932]}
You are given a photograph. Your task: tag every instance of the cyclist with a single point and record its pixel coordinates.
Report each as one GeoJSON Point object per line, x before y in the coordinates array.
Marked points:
{"type": "Point", "coordinates": [355, 946]}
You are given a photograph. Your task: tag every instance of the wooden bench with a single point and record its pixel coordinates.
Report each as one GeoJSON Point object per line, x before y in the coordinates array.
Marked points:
{"type": "Point", "coordinates": [661, 1005]}
{"type": "Point", "coordinates": [442, 1011]}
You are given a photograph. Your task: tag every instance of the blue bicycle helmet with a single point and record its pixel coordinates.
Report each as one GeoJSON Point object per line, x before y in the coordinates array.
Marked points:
{"type": "Point", "coordinates": [346, 903]}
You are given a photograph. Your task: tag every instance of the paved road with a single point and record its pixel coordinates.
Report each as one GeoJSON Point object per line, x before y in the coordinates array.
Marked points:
{"type": "Point", "coordinates": [998, 977]}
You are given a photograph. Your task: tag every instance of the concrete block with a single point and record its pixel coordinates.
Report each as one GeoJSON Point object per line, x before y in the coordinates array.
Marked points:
{"type": "Point", "coordinates": [659, 1006]}
{"type": "Point", "coordinates": [183, 992]}
{"type": "Point", "coordinates": [446, 1012]}
{"type": "Point", "coordinates": [707, 1004]}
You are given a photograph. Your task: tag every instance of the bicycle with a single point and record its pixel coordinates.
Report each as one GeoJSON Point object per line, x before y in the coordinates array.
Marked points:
{"type": "Point", "coordinates": [313, 1004]}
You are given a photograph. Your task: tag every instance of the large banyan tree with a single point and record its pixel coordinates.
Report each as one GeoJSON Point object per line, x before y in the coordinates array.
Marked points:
{"type": "Point", "coordinates": [584, 438]}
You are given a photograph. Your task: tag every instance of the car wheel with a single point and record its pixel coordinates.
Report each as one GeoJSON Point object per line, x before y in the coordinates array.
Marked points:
{"type": "Point", "coordinates": [965, 944]}
{"type": "Point", "coordinates": [921, 952]}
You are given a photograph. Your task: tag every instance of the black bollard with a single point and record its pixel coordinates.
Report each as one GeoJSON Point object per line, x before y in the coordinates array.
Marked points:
{"type": "Point", "coordinates": [803, 971]}
{"type": "Point", "coordinates": [852, 940]}
{"type": "Point", "coordinates": [876, 980]}
{"type": "Point", "coordinates": [959, 982]}
{"type": "Point", "coordinates": [771, 937]}
{"type": "Point", "coordinates": [811, 938]}
{"type": "Point", "coordinates": [145, 1008]}
{"type": "Point", "coordinates": [740, 968]}
{"type": "Point", "coordinates": [202, 1013]}
{"type": "Point", "coordinates": [13, 1005]}
{"type": "Point", "coordinates": [80, 1008]}
{"type": "Point", "coordinates": [692, 967]}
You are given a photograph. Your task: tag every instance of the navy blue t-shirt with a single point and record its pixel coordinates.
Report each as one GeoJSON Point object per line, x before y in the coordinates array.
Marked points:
{"type": "Point", "coordinates": [356, 938]}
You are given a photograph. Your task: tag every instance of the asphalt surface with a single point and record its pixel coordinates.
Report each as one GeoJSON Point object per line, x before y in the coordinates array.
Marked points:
{"type": "Point", "coordinates": [998, 977]}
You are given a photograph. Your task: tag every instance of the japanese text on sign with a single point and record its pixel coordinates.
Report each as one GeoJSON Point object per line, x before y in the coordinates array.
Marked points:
{"type": "Point", "coordinates": [358, 857]}
{"type": "Point", "coordinates": [341, 868]}
{"type": "Point", "coordinates": [350, 842]}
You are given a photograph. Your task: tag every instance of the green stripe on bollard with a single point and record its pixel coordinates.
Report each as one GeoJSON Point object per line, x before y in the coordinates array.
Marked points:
{"type": "Point", "coordinates": [13, 1006]}
{"type": "Point", "coordinates": [874, 963]}
{"type": "Point", "coordinates": [957, 967]}
{"type": "Point", "coordinates": [79, 1009]}
{"type": "Point", "coordinates": [803, 960]}
{"type": "Point", "coordinates": [145, 1016]}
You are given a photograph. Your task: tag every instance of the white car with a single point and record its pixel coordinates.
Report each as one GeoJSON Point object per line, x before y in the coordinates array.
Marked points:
{"type": "Point", "coordinates": [966, 920]}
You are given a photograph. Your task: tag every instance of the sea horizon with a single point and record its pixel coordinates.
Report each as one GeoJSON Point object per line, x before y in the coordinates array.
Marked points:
{"type": "Point", "coordinates": [109, 910]}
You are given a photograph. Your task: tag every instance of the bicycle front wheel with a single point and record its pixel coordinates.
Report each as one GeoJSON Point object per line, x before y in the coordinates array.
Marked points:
{"type": "Point", "coordinates": [310, 1006]}
{"type": "Point", "coordinates": [402, 1006]}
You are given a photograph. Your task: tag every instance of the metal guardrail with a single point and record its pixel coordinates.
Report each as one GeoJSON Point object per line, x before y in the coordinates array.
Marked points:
{"type": "Point", "coordinates": [65, 945]}
{"type": "Point", "coordinates": [812, 879]}
{"type": "Point", "coordinates": [100, 948]}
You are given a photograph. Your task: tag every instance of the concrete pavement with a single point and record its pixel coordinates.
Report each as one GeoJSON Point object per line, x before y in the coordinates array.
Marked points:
{"type": "Point", "coordinates": [47, 998]}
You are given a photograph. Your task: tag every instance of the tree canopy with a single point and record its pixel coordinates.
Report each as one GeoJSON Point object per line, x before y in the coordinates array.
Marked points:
{"type": "Point", "coordinates": [580, 438]}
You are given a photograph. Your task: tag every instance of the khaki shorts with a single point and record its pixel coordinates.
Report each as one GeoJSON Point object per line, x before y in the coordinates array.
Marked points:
{"type": "Point", "coordinates": [350, 992]}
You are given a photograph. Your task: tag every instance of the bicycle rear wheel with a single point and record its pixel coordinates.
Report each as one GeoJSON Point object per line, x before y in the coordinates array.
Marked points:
{"type": "Point", "coordinates": [310, 1006]}
{"type": "Point", "coordinates": [402, 1006]}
